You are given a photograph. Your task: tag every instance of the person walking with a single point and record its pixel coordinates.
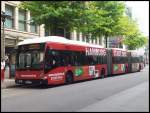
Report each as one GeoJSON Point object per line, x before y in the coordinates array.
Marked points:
{"type": "Point", "coordinates": [2, 69]}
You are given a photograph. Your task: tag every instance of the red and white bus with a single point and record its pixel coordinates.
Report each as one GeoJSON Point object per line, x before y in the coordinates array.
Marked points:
{"type": "Point", "coordinates": [57, 60]}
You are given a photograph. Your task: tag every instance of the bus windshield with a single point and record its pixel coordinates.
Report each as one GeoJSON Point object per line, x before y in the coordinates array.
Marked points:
{"type": "Point", "coordinates": [30, 60]}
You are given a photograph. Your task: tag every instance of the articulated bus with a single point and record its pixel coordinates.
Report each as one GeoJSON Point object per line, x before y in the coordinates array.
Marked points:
{"type": "Point", "coordinates": [57, 60]}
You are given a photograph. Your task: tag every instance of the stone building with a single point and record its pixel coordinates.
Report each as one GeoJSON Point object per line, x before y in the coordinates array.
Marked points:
{"type": "Point", "coordinates": [17, 28]}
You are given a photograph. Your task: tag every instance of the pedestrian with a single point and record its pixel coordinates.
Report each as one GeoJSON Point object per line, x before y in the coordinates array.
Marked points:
{"type": "Point", "coordinates": [2, 69]}
{"type": "Point", "coordinates": [7, 67]}
{"type": "Point", "coordinates": [6, 61]}
{"type": "Point", "coordinates": [3, 64]}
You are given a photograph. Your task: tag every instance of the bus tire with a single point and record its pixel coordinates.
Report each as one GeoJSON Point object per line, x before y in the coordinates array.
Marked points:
{"type": "Point", "coordinates": [69, 77]}
{"type": "Point", "coordinates": [102, 73]}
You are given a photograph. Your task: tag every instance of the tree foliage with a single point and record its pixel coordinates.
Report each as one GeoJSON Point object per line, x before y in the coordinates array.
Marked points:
{"type": "Point", "coordinates": [103, 18]}
{"type": "Point", "coordinates": [135, 41]}
{"type": "Point", "coordinates": [132, 35]}
{"type": "Point", "coordinates": [109, 13]}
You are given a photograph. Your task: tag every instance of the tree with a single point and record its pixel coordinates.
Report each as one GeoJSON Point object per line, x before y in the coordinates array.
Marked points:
{"type": "Point", "coordinates": [126, 26]}
{"type": "Point", "coordinates": [55, 15]}
{"type": "Point", "coordinates": [106, 17]}
{"type": "Point", "coordinates": [130, 30]}
{"type": "Point", "coordinates": [135, 41]}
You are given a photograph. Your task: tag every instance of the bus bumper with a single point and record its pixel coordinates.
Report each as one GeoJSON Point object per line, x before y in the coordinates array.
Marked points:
{"type": "Point", "coordinates": [36, 82]}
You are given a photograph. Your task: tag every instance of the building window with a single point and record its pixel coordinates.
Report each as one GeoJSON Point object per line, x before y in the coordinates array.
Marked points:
{"type": "Point", "coordinates": [92, 40]}
{"type": "Point", "coordinates": [9, 10]}
{"type": "Point", "coordinates": [47, 32]}
{"type": "Point", "coordinates": [33, 26]}
{"type": "Point", "coordinates": [78, 36]}
{"type": "Point", "coordinates": [22, 20]}
{"type": "Point", "coordinates": [83, 38]}
{"type": "Point", "coordinates": [120, 45]}
{"type": "Point", "coordinates": [96, 41]}
{"type": "Point", "coordinates": [100, 39]}
{"type": "Point", "coordinates": [87, 38]}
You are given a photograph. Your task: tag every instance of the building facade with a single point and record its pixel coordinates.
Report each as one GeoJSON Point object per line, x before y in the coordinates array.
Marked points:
{"type": "Point", "coordinates": [16, 28]}
{"type": "Point", "coordinates": [113, 42]}
{"type": "Point", "coordinates": [84, 38]}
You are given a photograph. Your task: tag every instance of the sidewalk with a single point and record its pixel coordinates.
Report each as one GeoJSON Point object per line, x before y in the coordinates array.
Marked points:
{"type": "Point", "coordinates": [7, 83]}
{"type": "Point", "coordinates": [135, 99]}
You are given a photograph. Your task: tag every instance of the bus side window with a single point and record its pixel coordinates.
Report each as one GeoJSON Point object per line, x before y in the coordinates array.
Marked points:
{"type": "Point", "coordinates": [105, 59]}
{"type": "Point", "coordinates": [56, 58]}
{"type": "Point", "coordinates": [47, 59]}
{"type": "Point", "coordinates": [72, 60]}
{"type": "Point", "coordinates": [66, 57]}
{"type": "Point", "coordinates": [51, 59]}
{"type": "Point", "coordinates": [76, 60]}
{"type": "Point", "coordinates": [81, 58]}
{"type": "Point", "coordinates": [90, 59]}
{"type": "Point", "coordinates": [62, 58]}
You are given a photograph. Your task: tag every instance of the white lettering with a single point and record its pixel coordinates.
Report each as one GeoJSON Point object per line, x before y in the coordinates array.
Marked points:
{"type": "Point", "coordinates": [56, 74]}
{"type": "Point", "coordinates": [28, 75]}
{"type": "Point", "coordinates": [95, 51]}
{"type": "Point", "coordinates": [119, 53]}
{"type": "Point", "coordinates": [56, 77]}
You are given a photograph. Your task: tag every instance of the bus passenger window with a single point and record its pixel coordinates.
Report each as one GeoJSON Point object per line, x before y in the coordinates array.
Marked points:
{"type": "Point", "coordinates": [54, 62]}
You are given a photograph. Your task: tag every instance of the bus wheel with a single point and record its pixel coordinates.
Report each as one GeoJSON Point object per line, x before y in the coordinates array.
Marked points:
{"type": "Point", "coordinates": [103, 73]}
{"type": "Point", "coordinates": [69, 77]}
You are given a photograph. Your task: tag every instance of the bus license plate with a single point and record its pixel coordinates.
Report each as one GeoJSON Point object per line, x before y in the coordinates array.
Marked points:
{"type": "Point", "coordinates": [28, 82]}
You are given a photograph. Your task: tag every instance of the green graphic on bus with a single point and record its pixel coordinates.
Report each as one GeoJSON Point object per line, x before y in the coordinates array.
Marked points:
{"type": "Point", "coordinates": [115, 67]}
{"type": "Point", "coordinates": [123, 67]}
{"type": "Point", "coordinates": [78, 71]}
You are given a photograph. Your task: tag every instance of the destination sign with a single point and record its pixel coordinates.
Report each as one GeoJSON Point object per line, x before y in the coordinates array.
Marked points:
{"type": "Point", "coordinates": [96, 51]}
{"type": "Point", "coordinates": [31, 47]}
{"type": "Point", "coordinates": [119, 53]}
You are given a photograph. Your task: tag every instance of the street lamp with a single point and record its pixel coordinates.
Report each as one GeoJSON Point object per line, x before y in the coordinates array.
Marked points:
{"type": "Point", "coordinates": [3, 18]}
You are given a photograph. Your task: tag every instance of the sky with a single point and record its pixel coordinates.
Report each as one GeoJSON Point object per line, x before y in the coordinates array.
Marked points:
{"type": "Point", "coordinates": [140, 11]}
